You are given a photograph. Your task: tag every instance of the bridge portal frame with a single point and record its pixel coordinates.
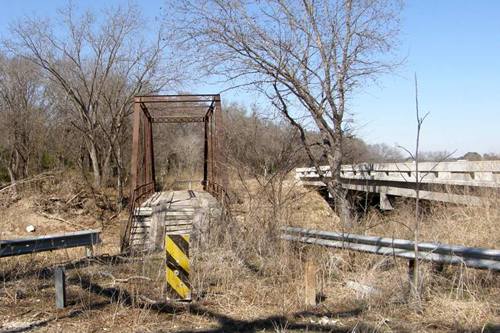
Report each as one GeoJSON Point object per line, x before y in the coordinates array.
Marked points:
{"type": "Point", "coordinates": [151, 109]}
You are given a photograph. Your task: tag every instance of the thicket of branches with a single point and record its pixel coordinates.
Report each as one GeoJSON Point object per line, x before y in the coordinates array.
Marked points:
{"type": "Point", "coordinates": [66, 90]}
{"type": "Point", "coordinates": [254, 140]}
{"type": "Point", "coordinates": [66, 86]}
{"type": "Point", "coordinates": [307, 57]}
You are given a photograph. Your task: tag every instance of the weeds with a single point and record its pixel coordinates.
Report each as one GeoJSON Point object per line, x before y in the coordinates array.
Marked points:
{"type": "Point", "coordinates": [244, 276]}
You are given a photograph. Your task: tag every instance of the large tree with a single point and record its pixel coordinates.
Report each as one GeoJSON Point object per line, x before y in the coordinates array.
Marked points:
{"type": "Point", "coordinates": [306, 56]}
{"type": "Point", "coordinates": [97, 62]}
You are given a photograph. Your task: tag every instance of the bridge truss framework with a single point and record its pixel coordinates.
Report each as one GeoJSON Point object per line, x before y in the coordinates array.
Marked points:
{"type": "Point", "coordinates": [151, 109]}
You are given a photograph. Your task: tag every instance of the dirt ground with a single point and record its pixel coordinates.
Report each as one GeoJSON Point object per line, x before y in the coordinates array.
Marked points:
{"type": "Point", "coordinates": [241, 283]}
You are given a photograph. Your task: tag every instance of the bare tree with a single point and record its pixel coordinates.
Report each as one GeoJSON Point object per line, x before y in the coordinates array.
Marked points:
{"type": "Point", "coordinates": [262, 152]}
{"type": "Point", "coordinates": [179, 150]}
{"type": "Point", "coordinates": [306, 56]}
{"type": "Point", "coordinates": [416, 282]}
{"type": "Point", "coordinates": [416, 227]}
{"type": "Point", "coordinates": [97, 63]}
{"type": "Point", "coordinates": [382, 152]}
{"type": "Point", "coordinates": [23, 116]}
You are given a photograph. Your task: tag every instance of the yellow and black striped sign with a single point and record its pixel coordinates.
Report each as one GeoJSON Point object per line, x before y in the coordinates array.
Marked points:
{"type": "Point", "coordinates": [177, 249]}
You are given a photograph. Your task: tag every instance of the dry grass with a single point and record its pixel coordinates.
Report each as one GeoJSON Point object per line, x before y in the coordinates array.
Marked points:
{"type": "Point", "coordinates": [465, 225]}
{"type": "Point", "coordinates": [246, 279]}
{"type": "Point", "coordinates": [182, 180]}
{"type": "Point", "coordinates": [455, 299]}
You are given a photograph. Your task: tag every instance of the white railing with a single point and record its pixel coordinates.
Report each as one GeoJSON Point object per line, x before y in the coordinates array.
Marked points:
{"type": "Point", "coordinates": [455, 182]}
{"type": "Point", "coordinates": [460, 173]}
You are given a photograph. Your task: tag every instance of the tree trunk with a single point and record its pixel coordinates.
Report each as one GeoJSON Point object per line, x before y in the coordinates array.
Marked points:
{"type": "Point", "coordinates": [119, 166]}
{"type": "Point", "coordinates": [25, 168]}
{"type": "Point", "coordinates": [106, 168]}
{"type": "Point", "coordinates": [12, 180]}
{"type": "Point", "coordinates": [343, 205]}
{"type": "Point", "coordinates": [95, 165]}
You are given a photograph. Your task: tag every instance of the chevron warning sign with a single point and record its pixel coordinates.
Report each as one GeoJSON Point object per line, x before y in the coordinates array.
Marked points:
{"type": "Point", "coordinates": [177, 271]}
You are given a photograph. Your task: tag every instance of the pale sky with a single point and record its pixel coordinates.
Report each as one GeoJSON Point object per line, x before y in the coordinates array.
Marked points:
{"type": "Point", "coordinates": [452, 45]}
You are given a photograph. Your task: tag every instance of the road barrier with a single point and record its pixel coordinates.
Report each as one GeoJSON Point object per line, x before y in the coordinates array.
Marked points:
{"type": "Point", "coordinates": [86, 238]}
{"type": "Point", "coordinates": [474, 257]}
{"type": "Point", "coordinates": [15, 247]}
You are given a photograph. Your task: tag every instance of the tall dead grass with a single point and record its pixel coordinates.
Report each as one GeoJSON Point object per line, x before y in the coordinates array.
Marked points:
{"type": "Point", "coordinates": [455, 298]}
{"type": "Point", "coordinates": [246, 272]}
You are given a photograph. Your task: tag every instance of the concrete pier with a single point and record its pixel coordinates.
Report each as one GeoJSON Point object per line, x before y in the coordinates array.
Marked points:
{"type": "Point", "coordinates": [174, 212]}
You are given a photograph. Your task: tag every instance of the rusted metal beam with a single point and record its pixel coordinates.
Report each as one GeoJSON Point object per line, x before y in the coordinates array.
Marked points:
{"type": "Point", "coordinates": [213, 178]}
{"type": "Point", "coordinates": [176, 96]}
{"type": "Point", "coordinates": [205, 156]}
{"type": "Point", "coordinates": [178, 119]}
{"type": "Point", "coordinates": [194, 101]}
{"type": "Point", "coordinates": [148, 152]}
{"type": "Point", "coordinates": [171, 99]}
{"type": "Point", "coordinates": [134, 165]}
{"type": "Point", "coordinates": [221, 174]}
{"type": "Point", "coordinates": [145, 142]}
{"type": "Point", "coordinates": [210, 111]}
{"type": "Point", "coordinates": [152, 158]}
{"type": "Point", "coordinates": [179, 108]}
{"type": "Point", "coordinates": [145, 110]}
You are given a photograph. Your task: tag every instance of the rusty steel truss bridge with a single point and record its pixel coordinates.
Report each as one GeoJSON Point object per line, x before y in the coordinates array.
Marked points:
{"type": "Point", "coordinates": [153, 109]}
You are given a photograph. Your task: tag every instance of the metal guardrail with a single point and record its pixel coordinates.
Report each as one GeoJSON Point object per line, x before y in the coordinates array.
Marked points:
{"type": "Point", "coordinates": [15, 247]}
{"type": "Point", "coordinates": [480, 258]}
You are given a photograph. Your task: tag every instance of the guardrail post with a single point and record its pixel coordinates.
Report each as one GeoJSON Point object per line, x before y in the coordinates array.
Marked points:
{"type": "Point", "coordinates": [411, 269]}
{"type": "Point", "coordinates": [437, 267]}
{"type": "Point", "coordinates": [89, 251]}
{"type": "Point", "coordinates": [60, 286]}
{"type": "Point", "coordinates": [310, 270]}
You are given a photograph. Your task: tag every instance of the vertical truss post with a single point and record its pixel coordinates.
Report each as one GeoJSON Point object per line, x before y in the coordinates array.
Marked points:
{"type": "Point", "coordinates": [135, 146]}
{"type": "Point", "coordinates": [145, 173]}
{"type": "Point", "coordinates": [148, 155]}
{"type": "Point", "coordinates": [220, 173]}
{"type": "Point", "coordinates": [205, 155]}
{"type": "Point", "coordinates": [151, 153]}
{"type": "Point", "coordinates": [212, 157]}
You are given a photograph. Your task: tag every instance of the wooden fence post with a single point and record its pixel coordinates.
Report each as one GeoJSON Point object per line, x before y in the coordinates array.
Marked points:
{"type": "Point", "coordinates": [310, 270]}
